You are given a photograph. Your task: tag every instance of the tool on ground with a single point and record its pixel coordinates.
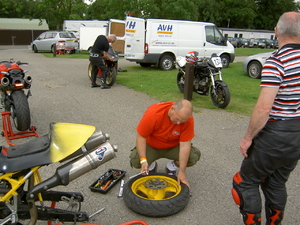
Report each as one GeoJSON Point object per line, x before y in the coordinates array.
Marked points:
{"type": "Point", "coordinates": [121, 189]}
{"type": "Point", "coordinates": [138, 174]}
{"type": "Point", "coordinates": [105, 182]}
{"type": "Point", "coordinates": [94, 214]}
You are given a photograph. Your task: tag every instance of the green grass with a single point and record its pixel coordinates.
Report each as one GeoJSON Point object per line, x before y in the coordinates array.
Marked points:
{"type": "Point", "coordinates": [162, 86]}
{"type": "Point", "coordinates": [77, 55]}
{"type": "Point", "coordinates": [251, 51]}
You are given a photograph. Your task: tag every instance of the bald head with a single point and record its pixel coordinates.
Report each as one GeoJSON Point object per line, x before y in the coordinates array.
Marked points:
{"type": "Point", "coordinates": [289, 25]}
{"type": "Point", "coordinates": [181, 111]}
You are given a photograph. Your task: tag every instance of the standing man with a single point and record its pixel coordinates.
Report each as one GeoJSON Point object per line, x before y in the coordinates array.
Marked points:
{"type": "Point", "coordinates": [166, 131]}
{"type": "Point", "coordinates": [271, 145]}
{"type": "Point", "coordinates": [97, 56]}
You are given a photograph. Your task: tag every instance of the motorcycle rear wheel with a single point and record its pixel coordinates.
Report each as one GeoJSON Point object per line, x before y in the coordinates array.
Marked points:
{"type": "Point", "coordinates": [222, 97]}
{"type": "Point", "coordinates": [156, 195]}
{"type": "Point", "coordinates": [111, 78]}
{"type": "Point", "coordinates": [180, 81]}
{"type": "Point", "coordinates": [19, 110]}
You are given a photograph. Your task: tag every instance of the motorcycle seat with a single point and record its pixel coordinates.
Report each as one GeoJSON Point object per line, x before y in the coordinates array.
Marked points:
{"type": "Point", "coordinates": [31, 147]}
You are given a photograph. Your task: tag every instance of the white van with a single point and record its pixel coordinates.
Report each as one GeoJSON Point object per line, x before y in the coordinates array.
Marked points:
{"type": "Point", "coordinates": [159, 41]}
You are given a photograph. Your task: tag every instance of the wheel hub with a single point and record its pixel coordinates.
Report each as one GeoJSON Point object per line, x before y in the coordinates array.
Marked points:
{"type": "Point", "coordinates": [156, 184]}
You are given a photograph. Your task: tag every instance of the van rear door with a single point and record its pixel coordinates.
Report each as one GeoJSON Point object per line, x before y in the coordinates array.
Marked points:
{"type": "Point", "coordinates": [134, 38]}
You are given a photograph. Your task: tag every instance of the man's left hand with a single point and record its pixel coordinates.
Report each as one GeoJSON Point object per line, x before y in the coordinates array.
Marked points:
{"type": "Point", "coordinates": [181, 178]}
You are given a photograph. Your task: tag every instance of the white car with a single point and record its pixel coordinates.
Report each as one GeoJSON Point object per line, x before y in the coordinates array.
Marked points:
{"type": "Point", "coordinates": [46, 41]}
{"type": "Point", "coordinates": [253, 64]}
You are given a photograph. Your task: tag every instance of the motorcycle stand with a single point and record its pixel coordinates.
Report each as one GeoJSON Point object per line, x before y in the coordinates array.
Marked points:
{"type": "Point", "coordinates": [8, 131]}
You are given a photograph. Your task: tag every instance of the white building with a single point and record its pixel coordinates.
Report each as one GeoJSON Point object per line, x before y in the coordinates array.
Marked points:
{"type": "Point", "coordinates": [247, 33]}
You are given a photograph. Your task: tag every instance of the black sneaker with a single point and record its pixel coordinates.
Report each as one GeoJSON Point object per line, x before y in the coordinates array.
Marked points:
{"type": "Point", "coordinates": [105, 86]}
{"type": "Point", "coordinates": [94, 85]}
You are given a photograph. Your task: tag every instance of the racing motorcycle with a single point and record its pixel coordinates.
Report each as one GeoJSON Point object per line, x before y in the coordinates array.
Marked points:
{"type": "Point", "coordinates": [111, 66]}
{"type": "Point", "coordinates": [13, 81]}
{"type": "Point", "coordinates": [23, 193]}
{"type": "Point", "coordinates": [207, 77]}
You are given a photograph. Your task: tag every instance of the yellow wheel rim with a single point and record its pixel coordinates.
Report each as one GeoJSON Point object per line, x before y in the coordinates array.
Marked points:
{"type": "Point", "coordinates": [156, 187]}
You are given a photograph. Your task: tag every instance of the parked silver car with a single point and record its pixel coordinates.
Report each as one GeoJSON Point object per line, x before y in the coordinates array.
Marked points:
{"type": "Point", "coordinates": [46, 41]}
{"type": "Point", "coordinates": [253, 64]}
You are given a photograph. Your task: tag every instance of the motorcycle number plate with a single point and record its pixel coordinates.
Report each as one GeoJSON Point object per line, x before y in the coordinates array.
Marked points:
{"type": "Point", "coordinates": [217, 62]}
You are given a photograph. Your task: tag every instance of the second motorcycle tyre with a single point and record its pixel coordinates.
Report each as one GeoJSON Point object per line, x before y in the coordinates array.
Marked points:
{"type": "Point", "coordinates": [19, 111]}
{"type": "Point", "coordinates": [155, 195]}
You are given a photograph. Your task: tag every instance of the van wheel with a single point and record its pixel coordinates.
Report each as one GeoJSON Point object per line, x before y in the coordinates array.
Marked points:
{"type": "Point", "coordinates": [225, 60]}
{"type": "Point", "coordinates": [166, 62]}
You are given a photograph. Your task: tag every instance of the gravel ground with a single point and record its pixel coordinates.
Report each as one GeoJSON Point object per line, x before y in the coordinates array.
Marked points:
{"type": "Point", "coordinates": [61, 93]}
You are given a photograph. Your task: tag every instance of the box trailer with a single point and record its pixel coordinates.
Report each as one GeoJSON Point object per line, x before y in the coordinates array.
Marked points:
{"type": "Point", "coordinates": [88, 36]}
{"type": "Point", "coordinates": [75, 25]}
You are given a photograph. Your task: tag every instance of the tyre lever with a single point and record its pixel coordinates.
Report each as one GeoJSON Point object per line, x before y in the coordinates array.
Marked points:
{"type": "Point", "coordinates": [138, 174]}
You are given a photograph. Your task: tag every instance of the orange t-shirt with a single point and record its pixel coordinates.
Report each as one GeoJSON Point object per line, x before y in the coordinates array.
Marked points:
{"type": "Point", "coordinates": [160, 132]}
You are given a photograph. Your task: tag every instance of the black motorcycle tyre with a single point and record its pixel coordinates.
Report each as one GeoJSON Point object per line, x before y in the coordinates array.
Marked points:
{"type": "Point", "coordinates": [144, 204]}
{"type": "Point", "coordinates": [19, 110]}
{"type": "Point", "coordinates": [111, 78]}
{"type": "Point", "coordinates": [180, 81]}
{"type": "Point", "coordinates": [222, 98]}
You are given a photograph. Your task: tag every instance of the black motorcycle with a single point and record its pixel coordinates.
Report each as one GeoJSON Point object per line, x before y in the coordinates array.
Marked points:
{"type": "Point", "coordinates": [13, 81]}
{"type": "Point", "coordinates": [207, 77]}
{"type": "Point", "coordinates": [111, 66]}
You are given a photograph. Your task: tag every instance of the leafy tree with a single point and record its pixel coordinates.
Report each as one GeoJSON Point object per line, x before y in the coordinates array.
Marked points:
{"type": "Point", "coordinates": [257, 14]}
{"type": "Point", "coordinates": [228, 13]}
{"type": "Point", "coordinates": [179, 10]}
{"type": "Point", "coordinates": [13, 8]}
{"type": "Point", "coordinates": [56, 11]}
{"type": "Point", "coordinates": [269, 12]}
{"type": "Point", "coordinates": [97, 10]}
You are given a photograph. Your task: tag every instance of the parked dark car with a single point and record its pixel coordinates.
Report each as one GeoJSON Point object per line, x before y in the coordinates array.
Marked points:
{"type": "Point", "coordinates": [257, 43]}
{"type": "Point", "coordinates": [270, 43]}
{"type": "Point", "coordinates": [233, 41]}
{"type": "Point", "coordinates": [243, 43]}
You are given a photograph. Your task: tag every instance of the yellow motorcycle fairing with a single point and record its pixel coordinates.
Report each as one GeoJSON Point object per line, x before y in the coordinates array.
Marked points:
{"type": "Point", "coordinates": [67, 138]}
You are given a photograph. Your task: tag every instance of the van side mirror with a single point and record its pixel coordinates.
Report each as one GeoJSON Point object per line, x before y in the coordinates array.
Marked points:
{"type": "Point", "coordinates": [225, 39]}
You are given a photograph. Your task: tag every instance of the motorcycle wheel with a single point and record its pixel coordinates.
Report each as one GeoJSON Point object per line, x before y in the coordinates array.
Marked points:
{"type": "Point", "coordinates": [19, 110]}
{"type": "Point", "coordinates": [110, 79]}
{"type": "Point", "coordinates": [180, 81]}
{"type": "Point", "coordinates": [222, 97]}
{"type": "Point", "coordinates": [112, 76]}
{"type": "Point", "coordinates": [155, 195]}
{"type": "Point", "coordinates": [90, 71]}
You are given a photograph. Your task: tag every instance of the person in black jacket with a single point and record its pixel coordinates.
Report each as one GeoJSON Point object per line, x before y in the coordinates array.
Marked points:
{"type": "Point", "coordinates": [97, 56]}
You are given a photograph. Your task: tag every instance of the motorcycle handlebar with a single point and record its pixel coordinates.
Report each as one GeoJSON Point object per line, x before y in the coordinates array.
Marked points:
{"type": "Point", "coordinates": [21, 63]}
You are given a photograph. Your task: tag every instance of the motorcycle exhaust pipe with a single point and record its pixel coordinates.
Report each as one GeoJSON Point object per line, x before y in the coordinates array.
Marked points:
{"type": "Point", "coordinates": [98, 138]}
{"type": "Point", "coordinates": [28, 79]}
{"type": "Point", "coordinates": [76, 168]}
{"type": "Point", "coordinates": [5, 81]}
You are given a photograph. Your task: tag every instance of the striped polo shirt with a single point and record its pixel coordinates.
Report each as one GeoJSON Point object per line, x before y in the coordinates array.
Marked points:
{"type": "Point", "coordinates": [282, 70]}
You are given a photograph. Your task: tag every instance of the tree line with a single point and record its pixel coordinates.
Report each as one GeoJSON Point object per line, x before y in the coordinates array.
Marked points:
{"type": "Point", "coordinates": [247, 14]}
